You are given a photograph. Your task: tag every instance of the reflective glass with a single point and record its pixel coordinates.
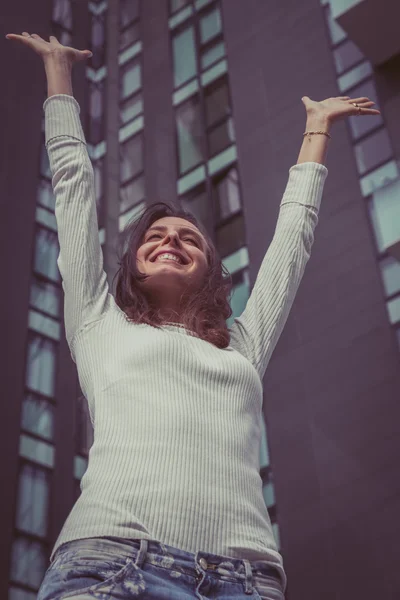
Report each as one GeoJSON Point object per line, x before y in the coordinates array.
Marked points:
{"type": "Point", "coordinates": [346, 55]}
{"type": "Point", "coordinates": [196, 202]}
{"type": "Point", "coordinates": [129, 11]}
{"type": "Point", "coordinates": [33, 449]}
{"type": "Point", "coordinates": [45, 296]}
{"type": "Point", "coordinates": [184, 56]}
{"type": "Point", "coordinates": [190, 134]}
{"type": "Point", "coordinates": [33, 500]}
{"type": "Point", "coordinates": [41, 363]}
{"type": "Point", "coordinates": [353, 76]}
{"type": "Point", "coordinates": [373, 150]}
{"type": "Point", "coordinates": [337, 34]}
{"type": "Point", "coordinates": [28, 562]}
{"type": "Point", "coordinates": [379, 177]}
{"type": "Point", "coordinates": [131, 108]}
{"type": "Point", "coordinates": [239, 298]}
{"type": "Point", "coordinates": [38, 416]}
{"type": "Point", "coordinates": [226, 194]}
{"type": "Point", "coordinates": [46, 253]}
{"type": "Point", "coordinates": [175, 5]}
{"type": "Point", "coordinates": [46, 195]}
{"type": "Point", "coordinates": [393, 308]}
{"type": "Point", "coordinates": [221, 137]}
{"type": "Point", "coordinates": [62, 13]}
{"type": "Point", "coordinates": [44, 163]}
{"type": "Point", "coordinates": [386, 209]}
{"type": "Point", "coordinates": [231, 237]}
{"type": "Point", "coordinates": [130, 79]}
{"type": "Point", "coordinates": [210, 25]}
{"type": "Point", "coordinates": [360, 126]}
{"type": "Point", "coordinates": [390, 270]}
{"type": "Point", "coordinates": [131, 157]}
{"type": "Point", "coordinates": [217, 102]}
{"type": "Point", "coordinates": [129, 36]}
{"type": "Point", "coordinates": [212, 54]}
{"type": "Point", "coordinates": [132, 193]}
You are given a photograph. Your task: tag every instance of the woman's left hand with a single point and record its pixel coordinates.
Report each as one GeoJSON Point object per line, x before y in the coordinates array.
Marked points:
{"type": "Point", "coordinates": [333, 109]}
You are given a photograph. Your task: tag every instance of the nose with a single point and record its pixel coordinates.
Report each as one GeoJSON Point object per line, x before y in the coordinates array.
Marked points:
{"type": "Point", "coordinates": [173, 237]}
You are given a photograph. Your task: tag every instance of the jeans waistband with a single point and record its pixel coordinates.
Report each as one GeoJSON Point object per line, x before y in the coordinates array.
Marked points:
{"type": "Point", "coordinates": [163, 555]}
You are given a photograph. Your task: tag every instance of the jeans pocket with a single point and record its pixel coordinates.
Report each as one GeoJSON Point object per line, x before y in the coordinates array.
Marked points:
{"type": "Point", "coordinates": [66, 578]}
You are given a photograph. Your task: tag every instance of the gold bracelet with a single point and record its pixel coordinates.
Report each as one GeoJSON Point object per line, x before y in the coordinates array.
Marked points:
{"type": "Point", "coordinates": [314, 132]}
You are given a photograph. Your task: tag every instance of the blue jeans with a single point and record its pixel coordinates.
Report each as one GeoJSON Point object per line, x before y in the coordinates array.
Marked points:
{"type": "Point", "coordinates": [110, 568]}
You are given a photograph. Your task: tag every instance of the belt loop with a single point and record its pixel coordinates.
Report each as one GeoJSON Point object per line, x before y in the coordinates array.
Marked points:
{"type": "Point", "coordinates": [248, 586]}
{"type": "Point", "coordinates": [142, 553]}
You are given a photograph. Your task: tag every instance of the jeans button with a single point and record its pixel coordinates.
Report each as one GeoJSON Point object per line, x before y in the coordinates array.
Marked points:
{"type": "Point", "coordinates": [203, 563]}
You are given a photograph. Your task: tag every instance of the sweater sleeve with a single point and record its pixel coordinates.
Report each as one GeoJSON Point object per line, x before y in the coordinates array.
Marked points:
{"type": "Point", "coordinates": [256, 331]}
{"type": "Point", "coordinates": [80, 258]}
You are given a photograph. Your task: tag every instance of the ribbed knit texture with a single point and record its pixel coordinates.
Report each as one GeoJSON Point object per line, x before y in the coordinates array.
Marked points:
{"type": "Point", "coordinates": [177, 421]}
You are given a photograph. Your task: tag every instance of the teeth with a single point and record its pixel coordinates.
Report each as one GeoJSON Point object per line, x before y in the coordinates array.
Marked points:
{"type": "Point", "coordinates": [170, 257]}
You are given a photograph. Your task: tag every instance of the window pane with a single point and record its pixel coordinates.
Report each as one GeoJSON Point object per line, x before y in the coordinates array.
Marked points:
{"type": "Point", "coordinates": [46, 254]}
{"type": "Point", "coordinates": [33, 500]}
{"type": "Point", "coordinates": [221, 137]}
{"type": "Point", "coordinates": [46, 195]}
{"type": "Point", "coordinates": [17, 594]}
{"type": "Point", "coordinates": [44, 163]}
{"type": "Point", "coordinates": [177, 4]}
{"type": "Point", "coordinates": [190, 133]}
{"type": "Point", "coordinates": [360, 126]}
{"type": "Point", "coordinates": [337, 34]}
{"type": "Point", "coordinates": [131, 156]}
{"type": "Point", "coordinates": [46, 297]}
{"type": "Point", "coordinates": [373, 150]}
{"type": "Point", "coordinates": [210, 25]}
{"type": "Point", "coordinates": [28, 562]}
{"type": "Point", "coordinates": [131, 108]}
{"type": "Point", "coordinates": [83, 429]}
{"type": "Point", "coordinates": [132, 193]}
{"type": "Point", "coordinates": [390, 270]}
{"type": "Point", "coordinates": [212, 54]}
{"type": "Point", "coordinates": [386, 208]}
{"type": "Point", "coordinates": [196, 203]}
{"type": "Point", "coordinates": [217, 102]}
{"type": "Point", "coordinates": [98, 45]}
{"type": "Point", "coordinates": [41, 362]}
{"type": "Point", "coordinates": [130, 79]}
{"type": "Point", "coordinates": [38, 416]}
{"type": "Point", "coordinates": [393, 308]}
{"type": "Point", "coordinates": [226, 194]}
{"type": "Point", "coordinates": [240, 296]}
{"type": "Point", "coordinates": [346, 55]}
{"type": "Point", "coordinates": [380, 177]}
{"type": "Point", "coordinates": [62, 13]}
{"type": "Point", "coordinates": [184, 56]}
{"type": "Point", "coordinates": [129, 11]}
{"type": "Point", "coordinates": [37, 451]}
{"type": "Point", "coordinates": [353, 76]}
{"type": "Point", "coordinates": [231, 237]}
{"type": "Point", "coordinates": [96, 112]}
{"type": "Point", "coordinates": [129, 36]}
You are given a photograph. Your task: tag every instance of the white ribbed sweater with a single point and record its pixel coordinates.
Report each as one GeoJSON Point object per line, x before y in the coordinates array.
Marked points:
{"type": "Point", "coordinates": [177, 421]}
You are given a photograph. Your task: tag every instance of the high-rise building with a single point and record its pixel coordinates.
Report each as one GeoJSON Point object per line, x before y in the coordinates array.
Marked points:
{"type": "Point", "coordinates": [198, 102]}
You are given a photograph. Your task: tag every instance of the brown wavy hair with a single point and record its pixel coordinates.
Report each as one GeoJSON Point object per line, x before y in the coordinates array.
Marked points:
{"type": "Point", "coordinates": [204, 312]}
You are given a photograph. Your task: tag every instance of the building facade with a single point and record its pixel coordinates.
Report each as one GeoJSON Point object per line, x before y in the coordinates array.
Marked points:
{"type": "Point", "coordinates": [198, 102]}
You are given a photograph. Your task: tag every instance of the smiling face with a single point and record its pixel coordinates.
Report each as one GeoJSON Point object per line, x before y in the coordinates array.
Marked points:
{"type": "Point", "coordinates": [167, 277]}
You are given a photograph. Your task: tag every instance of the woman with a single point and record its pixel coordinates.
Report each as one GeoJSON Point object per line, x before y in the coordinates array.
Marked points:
{"type": "Point", "coordinates": [171, 503]}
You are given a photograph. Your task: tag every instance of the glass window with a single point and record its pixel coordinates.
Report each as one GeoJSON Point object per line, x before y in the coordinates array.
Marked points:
{"type": "Point", "coordinates": [41, 363]}
{"type": "Point", "coordinates": [80, 466]}
{"type": "Point", "coordinates": [175, 5]}
{"type": "Point", "coordinates": [38, 416]}
{"type": "Point", "coordinates": [231, 237]}
{"type": "Point", "coordinates": [346, 55]}
{"type": "Point", "coordinates": [132, 193]}
{"type": "Point", "coordinates": [379, 177]}
{"type": "Point", "coordinates": [393, 308]}
{"type": "Point", "coordinates": [98, 45]}
{"type": "Point", "coordinates": [237, 261]}
{"type": "Point", "coordinates": [353, 76]}
{"type": "Point", "coordinates": [210, 25]}
{"type": "Point", "coordinates": [83, 428]}
{"type": "Point", "coordinates": [28, 562]}
{"type": "Point", "coordinates": [33, 449]}
{"type": "Point", "coordinates": [46, 254]}
{"type": "Point", "coordinates": [213, 54]}
{"type": "Point", "coordinates": [130, 79]}
{"type": "Point", "coordinates": [190, 132]}
{"type": "Point", "coordinates": [196, 202]}
{"type": "Point", "coordinates": [269, 494]}
{"type": "Point", "coordinates": [62, 13]}
{"type": "Point", "coordinates": [226, 194]}
{"type": "Point", "coordinates": [373, 150]}
{"type": "Point", "coordinates": [386, 214]}
{"type": "Point", "coordinates": [221, 137]}
{"type": "Point", "coordinates": [131, 108]}
{"type": "Point", "coordinates": [129, 11]}
{"type": "Point", "coordinates": [360, 126]}
{"type": "Point", "coordinates": [184, 56]}
{"type": "Point", "coordinates": [129, 36]}
{"type": "Point", "coordinates": [337, 34]}
{"type": "Point", "coordinates": [131, 157]}
{"type": "Point", "coordinates": [45, 296]}
{"type": "Point", "coordinates": [45, 195]}
{"type": "Point", "coordinates": [217, 102]}
{"type": "Point", "coordinates": [17, 594]}
{"type": "Point", "coordinates": [44, 163]}
{"type": "Point", "coordinates": [240, 295]}
{"type": "Point", "coordinates": [98, 180]}
{"type": "Point", "coordinates": [33, 500]}
{"type": "Point", "coordinates": [47, 326]}
{"type": "Point", "coordinates": [390, 270]}
{"type": "Point", "coordinates": [96, 112]}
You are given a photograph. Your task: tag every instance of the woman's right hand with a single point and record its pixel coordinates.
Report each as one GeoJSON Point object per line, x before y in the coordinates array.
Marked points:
{"type": "Point", "coordinates": [48, 50]}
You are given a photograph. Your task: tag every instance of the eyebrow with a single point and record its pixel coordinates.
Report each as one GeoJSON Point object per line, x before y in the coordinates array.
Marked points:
{"type": "Point", "coordinates": [181, 229]}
